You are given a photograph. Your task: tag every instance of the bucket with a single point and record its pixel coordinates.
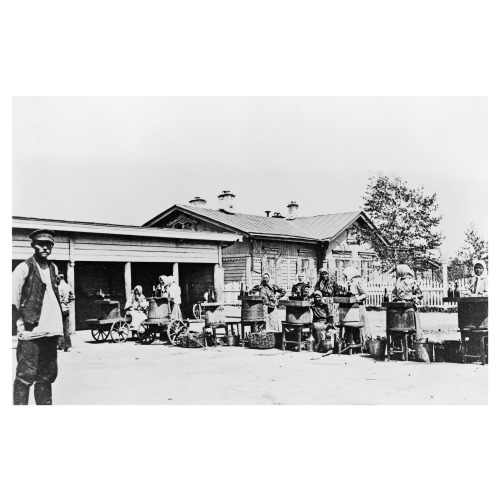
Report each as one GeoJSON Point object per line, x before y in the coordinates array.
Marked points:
{"type": "Point", "coordinates": [377, 348]}
{"type": "Point", "coordinates": [429, 348]}
{"type": "Point", "coordinates": [451, 352]}
{"type": "Point", "coordinates": [232, 340]}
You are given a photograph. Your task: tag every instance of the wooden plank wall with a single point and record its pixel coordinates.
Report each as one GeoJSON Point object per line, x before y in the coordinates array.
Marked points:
{"type": "Point", "coordinates": [22, 250]}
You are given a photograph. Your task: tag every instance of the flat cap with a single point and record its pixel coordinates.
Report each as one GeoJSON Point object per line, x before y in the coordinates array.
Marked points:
{"type": "Point", "coordinates": [43, 234]}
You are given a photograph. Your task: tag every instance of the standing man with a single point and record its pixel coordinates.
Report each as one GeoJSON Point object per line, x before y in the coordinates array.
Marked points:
{"type": "Point", "coordinates": [37, 313]}
{"type": "Point", "coordinates": [65, 297]}
{"type": "Point", "coordinates": [300, 291]}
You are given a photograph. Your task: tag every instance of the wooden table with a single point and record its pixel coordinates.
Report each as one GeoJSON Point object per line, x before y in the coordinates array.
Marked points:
{"type": "Point", "coordinates": [400, 325]}
{"type": "Point", "coordinates": [473, 325]}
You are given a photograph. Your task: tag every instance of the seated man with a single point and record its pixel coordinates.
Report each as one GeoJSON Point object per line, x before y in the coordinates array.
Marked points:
{"type": "Point", "coordinates": [300, 291]}
{"type": "Point", "coordinates": [322, 317]}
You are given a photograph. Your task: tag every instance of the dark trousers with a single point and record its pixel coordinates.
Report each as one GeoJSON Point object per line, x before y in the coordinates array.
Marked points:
{"type": "Point", "coordinates": [65, 340]}
{"type": "Point", "coordinates": [36, 364]}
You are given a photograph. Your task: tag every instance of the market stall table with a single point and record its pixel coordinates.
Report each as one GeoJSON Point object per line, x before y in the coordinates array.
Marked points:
{"type": "Point", "coordinates": [349, 317]}
{"type": "Point", "coordinates": [473, 325]}
{"type": "Point", "coordinates": [298, 321]}
{"type": "Point", "coordinates": [401, 326]}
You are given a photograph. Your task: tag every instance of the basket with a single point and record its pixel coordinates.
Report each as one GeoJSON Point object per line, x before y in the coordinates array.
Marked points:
{"type": "Point", "coordinates": [192, 340]}
{"type": "Point", "coordinates": [325, 345]}
{"type": "Point", "coordinates": [261, 340]}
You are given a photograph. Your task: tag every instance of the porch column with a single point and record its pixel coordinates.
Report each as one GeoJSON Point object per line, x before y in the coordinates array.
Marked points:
{"type": "Point", "coordinates": [219, 282]}
{"type": "Point", "coordinates": [128, 279]}
{"type": "Point", "coordinates": [175, 272]}
{"type": "Point", "coordinates": [70, 275]}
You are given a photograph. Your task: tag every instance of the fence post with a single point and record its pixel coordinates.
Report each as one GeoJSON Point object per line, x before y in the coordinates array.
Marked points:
{"type": "Point", "coordinates": [445, 283]}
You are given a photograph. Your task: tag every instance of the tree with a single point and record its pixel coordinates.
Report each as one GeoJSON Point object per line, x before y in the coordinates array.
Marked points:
{"type": "Point", "coordinates": [405, 223]}
{"type": "Point", "coordinates": [474, 247]}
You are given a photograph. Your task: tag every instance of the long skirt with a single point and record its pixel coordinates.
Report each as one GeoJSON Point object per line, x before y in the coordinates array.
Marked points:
{"type": "Point", "coordinates": [272, 319]}
{"type": "Point", "coordinates": [137, 318]}
{"type": "Point", "coordinates": [176, 312]}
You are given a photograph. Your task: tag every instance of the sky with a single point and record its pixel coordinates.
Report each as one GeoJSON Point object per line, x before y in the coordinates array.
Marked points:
{"type": "Point", "coordinates": [123, 160]}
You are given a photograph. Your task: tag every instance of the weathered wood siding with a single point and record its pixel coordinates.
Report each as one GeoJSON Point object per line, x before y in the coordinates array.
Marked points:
{"type": "Point", "coordinates": [107, 248]}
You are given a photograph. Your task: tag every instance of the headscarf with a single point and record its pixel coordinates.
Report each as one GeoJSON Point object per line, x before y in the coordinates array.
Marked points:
{"type": "Point", "coordinates": [163, 279]}
{"type": "Point", "coordinates": [317, 292]}
{"type": "Point", "coordinates": [484, 274]}
{"type": "Point", "coordinates": [351, 272]}
{"type": "Point", "coordinates": [170, 280]}
{"type": "Point", "coordinates": [266, 274]}
{"type": "Point", "coordinates": [139, 289]}
{"type": "Point", "coordinates": [403, 271]}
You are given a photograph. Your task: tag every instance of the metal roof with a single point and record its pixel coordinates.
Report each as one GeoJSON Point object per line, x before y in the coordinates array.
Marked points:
{"type": "Point", "coordinates": [98, 228]}
{"type": "Point", "coordinates": [317, 227]}
{"type": "Point", "coordinates": [327, 226]}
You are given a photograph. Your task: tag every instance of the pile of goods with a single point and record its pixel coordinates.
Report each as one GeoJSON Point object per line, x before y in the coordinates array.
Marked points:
{"type": "Point", "coordinates": [261, 340]}
{"type": "Point", "coordinates": [191, 339]}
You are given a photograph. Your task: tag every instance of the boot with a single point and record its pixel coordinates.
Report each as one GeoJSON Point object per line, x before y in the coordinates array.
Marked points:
{"type": "Point", "coordinates": [21, 393]}
{"type": "Point", "coordinates": [43, 393]}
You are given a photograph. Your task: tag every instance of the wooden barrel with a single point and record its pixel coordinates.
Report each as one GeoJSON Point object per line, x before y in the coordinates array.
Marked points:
{"type": "Point", "coordinates": [159, 308]}
{"type": "Point", "coordinates": [349, 315]}
{"type": "Point", "coordinates": [400, 317]}
{"type": "Point", "coordinates": [473, 313]}
{"type": "Point", "coordinates": [108, 309]}
{"type": "Point", "coordinates": [252, 309]}
{"type": "Point", "coordinates": [297, 311]}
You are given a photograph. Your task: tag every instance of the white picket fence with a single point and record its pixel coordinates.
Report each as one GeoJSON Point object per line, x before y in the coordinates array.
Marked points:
{"type": "Point", "coordinates": [433, 292]}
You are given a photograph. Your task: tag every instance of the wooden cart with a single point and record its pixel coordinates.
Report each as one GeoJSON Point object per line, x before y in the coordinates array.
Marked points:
{"type": "Point", "coordinates": [160, 324]}
{"type": "Point", "coordinates": [473, 325]}
{"type": "Point", "coordinates": [109, 322]}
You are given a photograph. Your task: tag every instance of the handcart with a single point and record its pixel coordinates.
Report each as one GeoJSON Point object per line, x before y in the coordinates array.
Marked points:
{"type": "Point", "coordinates": [109, 322]}
{"type": "Point", "coordinates": [160, 324]}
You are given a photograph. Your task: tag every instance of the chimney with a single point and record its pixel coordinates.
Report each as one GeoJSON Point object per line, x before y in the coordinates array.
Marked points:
{"type": "Point", "coordinates": [277, 215]}
{"type": "Point", "coordinates": [197, 201]}
{"type": "Point", "coordinates": [267, 212]}
{"type": "Point", "coordinates": [293, 210]}
{"type": "Point", "coordinates": [226, 202]}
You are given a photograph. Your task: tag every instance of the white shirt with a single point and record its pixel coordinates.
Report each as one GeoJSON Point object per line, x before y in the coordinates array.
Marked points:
{"type": "Point", "coordinates": [50, 323]}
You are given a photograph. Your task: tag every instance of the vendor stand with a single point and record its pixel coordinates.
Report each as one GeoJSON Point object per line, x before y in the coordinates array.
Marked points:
{"type": "Point", "coordinates": [400, 327]}
{"type": "Point", "coordinates": [252, 314]}
{"type": "Point", "coordinates": [298, 322]}
{"type": "Point", "coordinates": [473, 325]}
{"type": "Point", "coordinates": [109, 322]}
{"type": "Point", "coordinates": [349, 317]}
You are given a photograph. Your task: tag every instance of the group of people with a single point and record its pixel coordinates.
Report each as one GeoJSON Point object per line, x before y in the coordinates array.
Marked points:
{"type": "Point", "coordinates": [137, 304]}
{"type": "Point", "coordinates": [322, 307]}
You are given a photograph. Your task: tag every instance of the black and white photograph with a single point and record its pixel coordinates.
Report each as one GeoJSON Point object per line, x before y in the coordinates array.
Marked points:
{"type": "Point", "coordinates": [227, 250]}
{"type": "Point", "coordinates": [250, 249]}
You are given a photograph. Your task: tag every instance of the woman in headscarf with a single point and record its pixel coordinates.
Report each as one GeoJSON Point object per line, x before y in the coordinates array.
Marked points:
{"type": "Point", "coordinates": [479, 286]}
{"type": "Point", "coordinates": [161, 289]}
{"type": "Point", "coordinates": [356, 287]}
{"type": "Point", "coordinates": [137, 306]}
{"type": "Point", "coordinates": [300, 291]}
{"type": "Point", "coordinates": [174, 295]}
{"type": "Point", "coordinates": [407, 289]}
{"type": "Point", "coordinates": [271, 293]}
{"type": "Point", "coordinates": [328, 287]}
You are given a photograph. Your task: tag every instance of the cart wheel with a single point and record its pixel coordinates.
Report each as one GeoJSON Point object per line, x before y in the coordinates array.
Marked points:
{"type": "Point", "coordinates": [148, 336]}
{"type": "Point", "coordinates": [100, 335]}
{"type": "Point", "coordinates": [175, 328]}
{"type": "Point", "coordinates": [119, 331]}
{"type": "Point", "coordinates": [197, 311]}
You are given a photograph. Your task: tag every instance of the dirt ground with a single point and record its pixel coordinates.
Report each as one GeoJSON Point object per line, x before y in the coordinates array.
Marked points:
{"type": "Point", "coordinates": [129, 373]}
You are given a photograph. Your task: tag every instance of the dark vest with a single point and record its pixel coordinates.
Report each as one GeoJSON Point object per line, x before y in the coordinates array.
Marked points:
{"type": "Point", "coordinates": [33, 292]}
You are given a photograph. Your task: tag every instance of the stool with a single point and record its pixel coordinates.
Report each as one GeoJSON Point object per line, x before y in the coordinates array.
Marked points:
{"type": "Point", "coordinates": [213, 329]}
{"type": "Point", "coordinates": [296, 330]}
{"type": "Point", "coordinates": [342, 347]}
{"type": "Point", "coordinates": [403, 336]}
{"type": "Point", "coordinates": [480, 338]}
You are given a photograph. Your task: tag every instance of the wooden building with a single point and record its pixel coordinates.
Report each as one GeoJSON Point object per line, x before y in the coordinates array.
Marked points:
{"type": "Point", "coordinates": [114, 258]}
{"type": "Point", "coordinates": [281, 246]}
